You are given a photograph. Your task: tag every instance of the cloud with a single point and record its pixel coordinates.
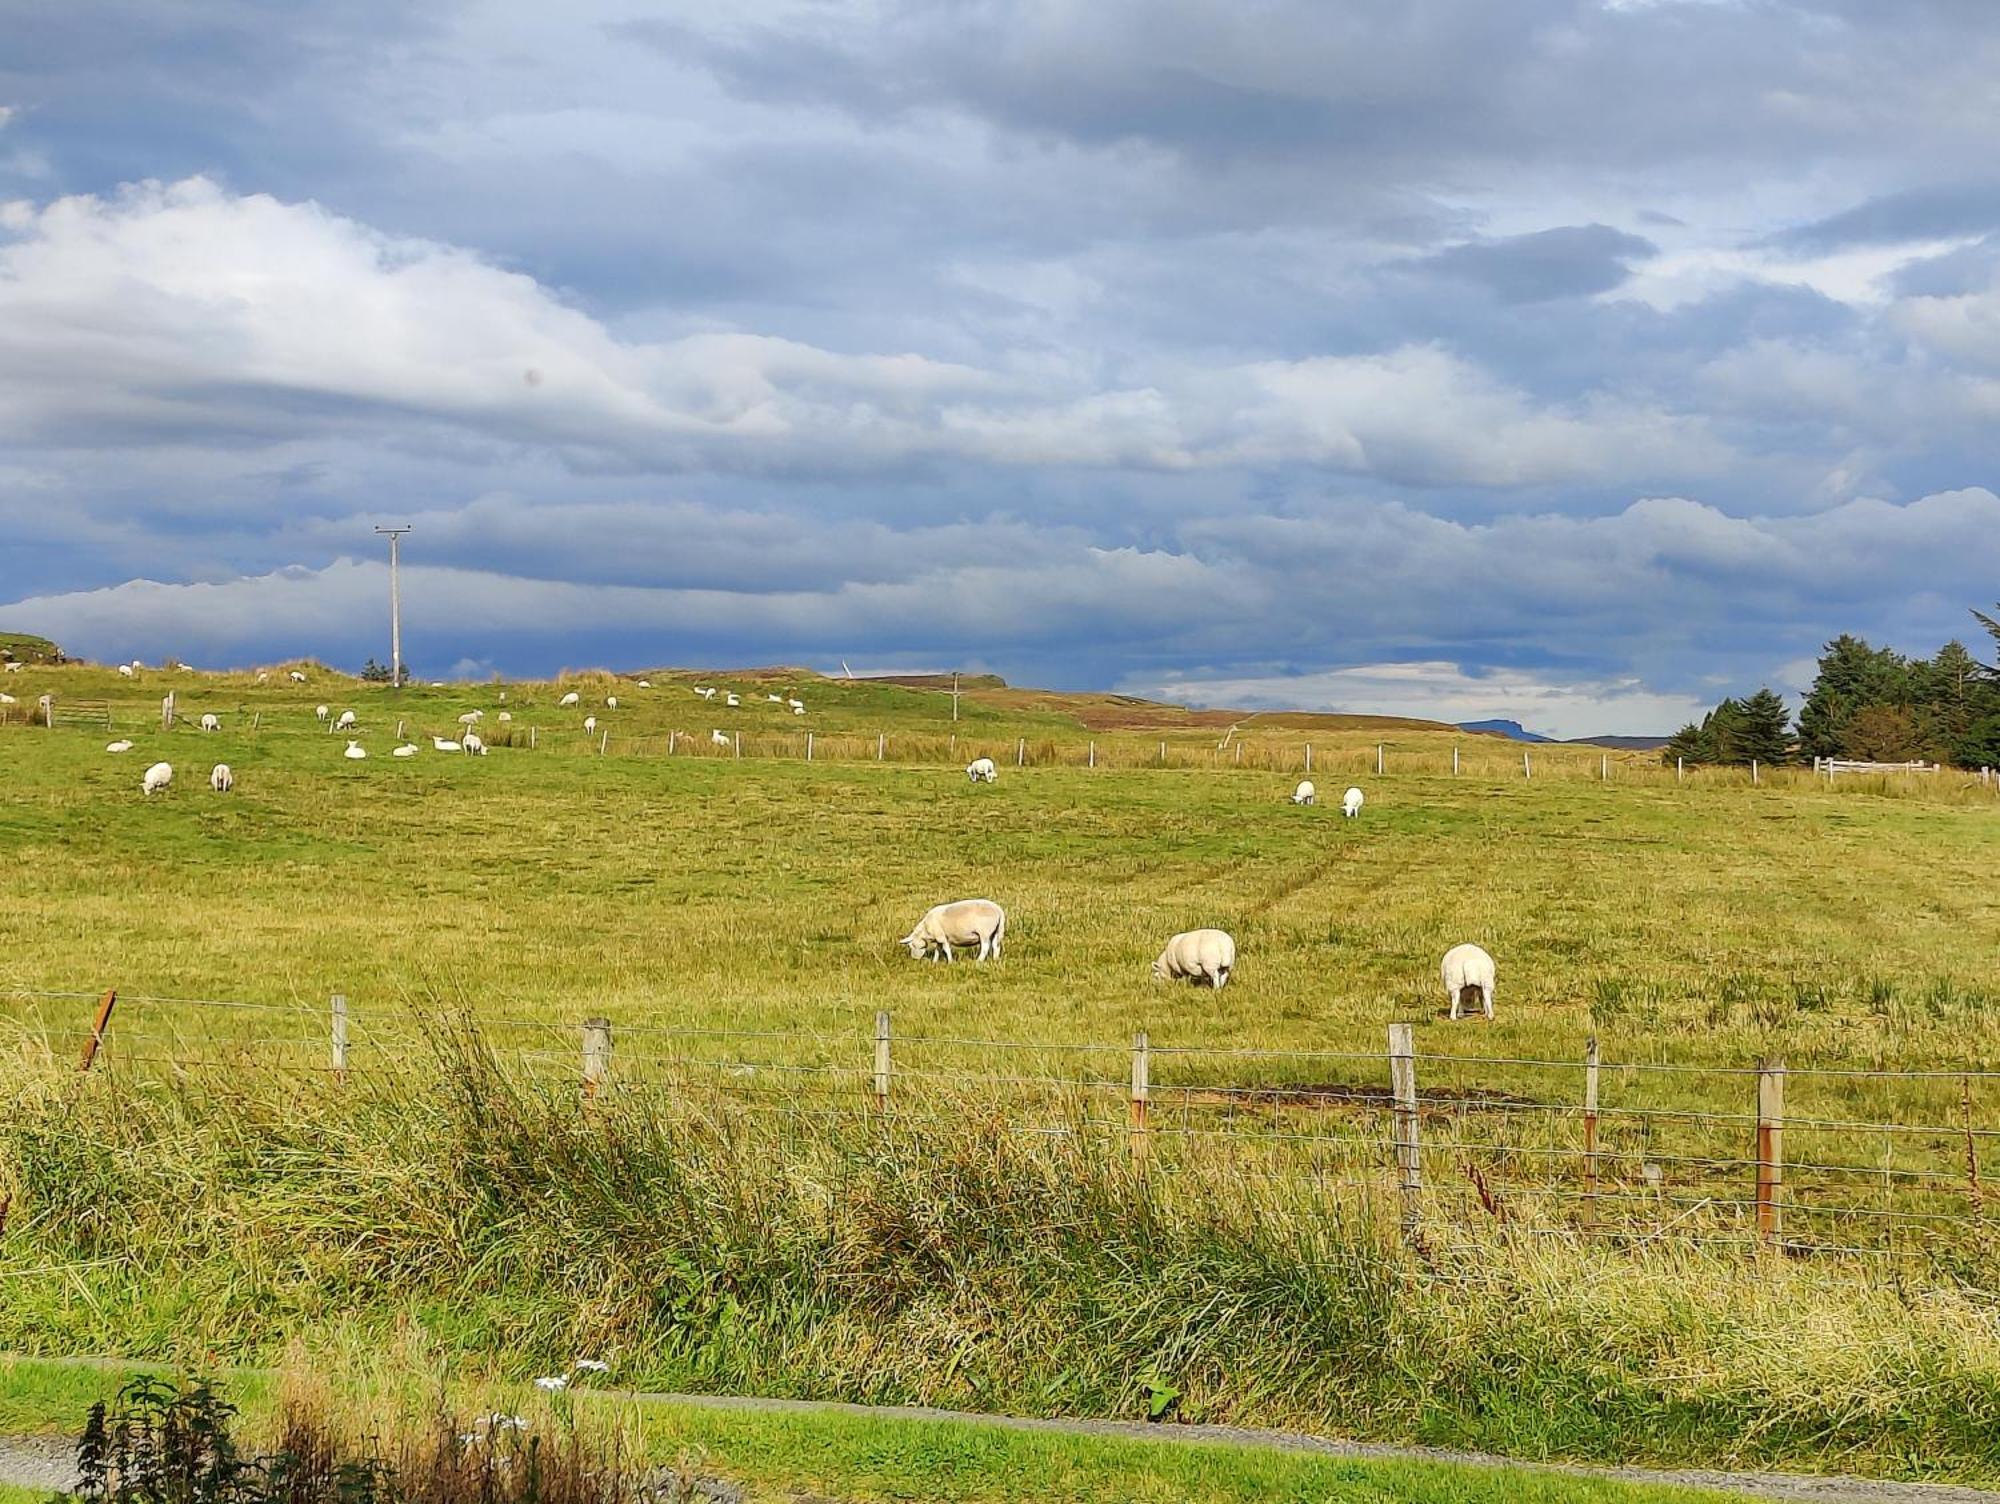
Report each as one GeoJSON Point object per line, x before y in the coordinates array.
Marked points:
{"type": "Point", "coordinates": [1570, 261]}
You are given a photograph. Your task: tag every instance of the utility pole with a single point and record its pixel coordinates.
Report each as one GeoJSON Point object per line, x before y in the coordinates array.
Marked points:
{"type": "Point", "coordinates": [395, 537]}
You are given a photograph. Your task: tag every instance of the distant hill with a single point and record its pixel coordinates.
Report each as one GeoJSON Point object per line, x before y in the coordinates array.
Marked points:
{"type": "Point", "coordinates": [1622, 743]}
{"type": "Point", "coordinates": [1514, 731]}
{"type": "Point", "coordinates": [20, 647]}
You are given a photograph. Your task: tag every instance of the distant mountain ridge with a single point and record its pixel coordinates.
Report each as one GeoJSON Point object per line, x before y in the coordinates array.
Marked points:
{"type": "Point", "coordinates": [1514, 731]}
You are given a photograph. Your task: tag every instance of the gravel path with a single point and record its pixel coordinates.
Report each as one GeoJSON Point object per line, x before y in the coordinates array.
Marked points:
{"type": "Point", "coordinates": [44, 1462]}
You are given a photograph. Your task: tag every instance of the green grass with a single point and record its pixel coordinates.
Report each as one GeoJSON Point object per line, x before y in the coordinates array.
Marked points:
{"type": "Point", "coordinates": [778, 1455]}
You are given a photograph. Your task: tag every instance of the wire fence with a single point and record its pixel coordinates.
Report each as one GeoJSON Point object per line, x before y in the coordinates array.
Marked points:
{"type": "Point", "coordinates": [1637, 1151]}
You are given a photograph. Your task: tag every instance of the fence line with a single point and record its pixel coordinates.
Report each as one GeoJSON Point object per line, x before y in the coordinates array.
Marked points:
{"type": "Point", "coordinates": [1565, 1159]}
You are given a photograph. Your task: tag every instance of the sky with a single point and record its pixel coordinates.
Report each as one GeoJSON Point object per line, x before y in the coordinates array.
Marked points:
{"type": "Point", "coordinates": [1578, 361]}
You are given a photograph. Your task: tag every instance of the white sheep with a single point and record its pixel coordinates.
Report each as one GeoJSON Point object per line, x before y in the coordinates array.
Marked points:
{"type": "Point", "coordinates": [1200, 956]}
{"type": "Point", "coordinates": [13, 666]}
{"type": "Point", "coordinates": [158, 776]}
{"type": "Point", "coordinates": [590, 724]}
{"type": "Point", "coordinates": [1305, 793]}
{"type": "Point", "coordinates": [1468, 969]}
{"type": "Point", "coordinates": [719, 738]}
{"type": "Point", "coordinates": [645, 684]}
{"type": "Point", "coordinates": [731, 699]}
{"type": "Point", "coordinates": [444, 746]}
{"type": "Point", "coordinates": [346, 720]}
{"type": "Point", "coordinates": [211, 723]}
{"type": "Point", "coordinates": [472, 718]}
{"type": "Point", "coordinates": [124, 671]}
{"type": "Point", "coordinates": [297, 677]}
{"type": "Point", "coordinates": [970, 921]}
{"type": "Point", "coordinates": [506, 716]}
{"type": "Point", "coordinates": [798, 710]}
{"type": "Point", "coordinates": [8, 700]}
{"type": "Point", "coordinates": [406, 750]}
{"type": "Point", "coordinates": [470, 743]}
{"type": "Point", "coordinates": [221, 779]}
{"type": "Point", "coordinates": [263, 676]}
{"type": "Point", "coordinates": [981, 770]}
{"type": "Point", "coordinates": [186, 668]}
{"type": "Point", "coordinates": [1350, 803]}
{"type": "Point", "coordinates": [322, 711]}
{"type": "Point", "coordinates": [570, 699]}
{"type": "Point", "coordinates": [118, 746]}
{"type": "Point", "coordinates": [704, 692]}
{"type": "Point", "coordinates": [354, 752]}
{"type": "Point", "coordinates": [137, 665]}
{"type": "Point", "coordinates": [611, 702]}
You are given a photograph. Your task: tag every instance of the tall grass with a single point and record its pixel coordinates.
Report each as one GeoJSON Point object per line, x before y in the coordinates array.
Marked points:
{"type": "Point", "coordinates": [950, 1260]}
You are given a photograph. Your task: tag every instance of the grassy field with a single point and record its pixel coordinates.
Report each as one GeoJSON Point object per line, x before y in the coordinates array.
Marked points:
{"type": "Point", "coordinates": [749, 908]}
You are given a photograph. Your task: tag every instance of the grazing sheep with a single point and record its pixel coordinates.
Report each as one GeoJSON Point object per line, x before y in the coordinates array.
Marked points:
{"type": "Point", "coordinates": [1350, 803]}
{"type": "Point", "coordinates": [590, 724]}
{"type": "Point", "coordinates": [346, 720]}
{"type": "Point", "coordinates": [970, 921]}
{"type": "Point", "coordinates": [704, 692]}
{"type": "Point", "coordinates": [570, 699]}
{"type": "Point", "coordinates": [1305, 793]}
{"type": "Point", "coordinates": [354, 752]}
{"type": "Point", "coordinates": [406, 750]}
{"type": "Point", "coordinates": [506, 716]}
{"type": "Point", "coordinates": [263, 676]}
{"type": "Point", "coordinates": [1200, 956]}
{"type": "Point", "coordinates": [472, 718]}
{"type": "Point", "coordinates": [211, 723]}
{"type": "Point", "coordinates": [730, 699]}
{"type": "Point", "coordinates": [13, 667]}
{"type": "Point", "coordinates": [297, 677]}
{"type": "Point", "coordinates": [981, 770]}
{"type": "Point", "coordinates": [322, 711]}
{"type": "Point", "coordinates": [118, 746]}
{"type": "Point", "coordinates": [798, 706]}
{"type": "Point", "coordinates": [221, 779]}
{"type": "Point", "coordinates": [720, 738]}
{"type": "Point", "coordinates": [444, 746]}
{"type": "Point", "coordinates": [645, 684]}
{"type": "Point", "coordinates": [158, 776]}
{"type": "Point", "coordinates": [8, 700]}
{"type": "Point", "coordinates": [470, 743]}
{"type": "Point", "coordinates": [137, 665]}
{"type": "Point", "coordinates": [124, 671]}
{"type": "Point", "coordinates": [186, 668]}
{"type": "Point", "coordinates": [1468, 969]}
{"type": "Point", "coordinates": [611, 702]}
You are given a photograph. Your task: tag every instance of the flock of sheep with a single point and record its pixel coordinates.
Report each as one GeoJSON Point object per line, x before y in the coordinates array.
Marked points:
{"type": "Point", "coordinates": [1200, 956]}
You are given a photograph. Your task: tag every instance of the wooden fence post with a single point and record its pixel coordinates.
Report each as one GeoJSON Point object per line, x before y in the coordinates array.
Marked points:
{"type": "Point", "coordinates": [104, 1006]}
{"type": "Point", "coordinates": [809, 746]}
{"type": "Point", "coordinates": [48, 707]}
{"type": "Point", "coordinates": [1527, 768]}
{"type": "Point", "coordinates": [1454, 759]}
{"type": "Point", "coordinates": [1163, 754]}
{"type": "Point", "coordinates": [1403, 1083]}
{"type": "Point", "coordinates": [1378, 759]}
{"type": "Point", "coordinates": [1309, 757]}
{"type": "Point", "coordinates": [604, 747]}
{"type": "Point", "coordinates": [881, 745]}
{"type": "Point", "coordinates": [739, 743]}
{"type": "Point", "coordinates": [882, 1060]}
{"type": "Point", "coordinates": [1590, 1130]}
{"type": "Point", "coordinates": [1021, 753]}
{"type": "Point", "coordinates": [1753, 772]}
{"type": "Point", "coordinates": [531, 738]}
{"type": "Point", "coordinates": [167, 712]}
{"type": "Point", "coordinates": [1771, 1149]}
{"type": "Point", "coordinates": [1093, 754]}
{"type": "Point", "coordinates": [1604, 767]}
{"type": "Point", "coordinates": [596, 1054]}
{"type": "Point", "coordinates": [1239, 754]}
{"type": "Point", "coordinates": [1142, 1095]}
{"type": "Point", "coordinates": [1680, 770]}
{"type": "Point", "coordinates": [338, 1004]}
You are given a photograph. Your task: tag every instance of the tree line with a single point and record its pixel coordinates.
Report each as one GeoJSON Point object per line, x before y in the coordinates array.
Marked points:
{"type": "Point", "coordinates": [1867, 703]}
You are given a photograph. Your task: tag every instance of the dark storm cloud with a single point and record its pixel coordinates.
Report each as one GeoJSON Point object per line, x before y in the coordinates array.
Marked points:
{"type": "Point", "coordinates": [1566, 262]}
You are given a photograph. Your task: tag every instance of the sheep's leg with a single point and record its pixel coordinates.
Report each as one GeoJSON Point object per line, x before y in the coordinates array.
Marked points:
{"type": "Point", "coordinates": [1487, 994]}
{"type": "Point", "coordinates": [1455, 994]}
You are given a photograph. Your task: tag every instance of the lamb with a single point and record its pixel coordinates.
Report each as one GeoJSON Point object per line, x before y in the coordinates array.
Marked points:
{"type": "Point", "coordinates": [470, 743]}
{"type": "Point", "coordinates": [590, 724]}
{"type": "Point", "coordinates": [720, 738]}
{"type": "Point", "coordinates": [570, 699]}
{"type": "Point", "coordinates": [1350, 803]}
{"type": "Point", "coordinates": [354, 752]}
{"type": "Point", "coordinates": [118, 746]}
{"type": "Point", "coordinates": [321, 711]}
{"type": "Point", "coordinates": [124, 671]}
{"type": "Point", "coordinates": [346, 720]}
{"type": "Point", "coordinates": [444, 746]}
{"type": "Point", "coordinates": [1198, 955]}
{"type": "Point", "coordinates": [1305, 793]}
{"type": "Point", "coordinates": [1468, 969]}
{"type": "Point", "coordinates": [158, 776]}
{"type": "Point", "coordinates": [297, 677]}
{"type": "Point", "coordinates": [221, 779]}
{"type": "Point", "coordinates": [211, 723]}
{"type": "Point", "coordinates": [981, 770]}
{"type": "Point", "coordinates": [611, 702]}
{"type": "Point", "coordinates": [970, 921]}
{"type": "Point", "coordinates": [406, 750]}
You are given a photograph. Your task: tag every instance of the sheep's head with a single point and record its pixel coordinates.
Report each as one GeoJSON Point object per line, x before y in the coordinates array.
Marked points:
{"type": "Point", "coordinates": [916, 943]}
{"type": "Point", "coordinates": [1160, 967]}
